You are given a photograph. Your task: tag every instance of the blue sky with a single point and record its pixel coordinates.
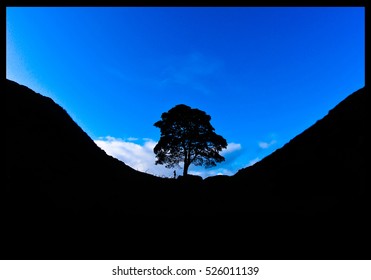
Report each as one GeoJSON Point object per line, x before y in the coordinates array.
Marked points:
{"type": "Point", "coordinates": [263, 74]}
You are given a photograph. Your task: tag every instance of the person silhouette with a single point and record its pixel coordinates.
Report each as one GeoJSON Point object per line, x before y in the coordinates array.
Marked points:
{"type": "Point", "coordinates": [174, 174]}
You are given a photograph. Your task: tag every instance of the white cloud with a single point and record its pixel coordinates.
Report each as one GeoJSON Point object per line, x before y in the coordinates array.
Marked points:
{"type": "Point", "coordinates": [232, 147]}
{"type": "Point", "coordinates": [132, 139]}
{"type": "Point", "coordinates": [212, 172]}
{"type": "Point", "coordinates": [139, 157]}
{"type": "Point", "coordinates": [142, 157]}
{"type": "Point", "coordinates": [266, 145]}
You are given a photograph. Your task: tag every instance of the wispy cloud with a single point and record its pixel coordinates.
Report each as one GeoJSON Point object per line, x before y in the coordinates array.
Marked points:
{"type": "Point", "coordinates": [261, 151]}
{"type": "Point", "coordinates": [266, 145]}
{"type": "Point", "coordinates": [118, 74]}
{"type": "Point", "coordinates": [142, 158]}
{"type": "Point", "coordinates": [194, 70]}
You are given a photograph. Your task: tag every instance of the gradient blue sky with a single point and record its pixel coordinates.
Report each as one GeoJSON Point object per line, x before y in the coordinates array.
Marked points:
{"type": "Point", "coordinates": [263, 74]}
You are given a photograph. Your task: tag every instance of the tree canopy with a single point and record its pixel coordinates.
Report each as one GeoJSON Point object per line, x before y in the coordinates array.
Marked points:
{"type": "Point", "coordinates": [187, 136]}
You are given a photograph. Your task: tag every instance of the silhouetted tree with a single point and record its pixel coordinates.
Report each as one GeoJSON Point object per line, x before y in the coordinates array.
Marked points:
{"type": "Point", "coordinates": [187, 136]}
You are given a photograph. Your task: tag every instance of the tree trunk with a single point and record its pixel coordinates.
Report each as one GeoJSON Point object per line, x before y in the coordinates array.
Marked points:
{"type": "Point", "coordinates": [186, 162]}
{"type": "Point", "coordinates": [185, 169]}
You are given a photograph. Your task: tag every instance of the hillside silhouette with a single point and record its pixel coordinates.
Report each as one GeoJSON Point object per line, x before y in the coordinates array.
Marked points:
{"type": "Point", "coordinates": [51, 163]}
{"type": "Point", "coordinates": [326, 162]}
{"type": "Point", "coordinates": [56, 175]}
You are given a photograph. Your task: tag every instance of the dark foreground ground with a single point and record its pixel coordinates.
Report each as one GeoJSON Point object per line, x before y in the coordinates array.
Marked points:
{"type": "Point", "coordinates": [64, 198]}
